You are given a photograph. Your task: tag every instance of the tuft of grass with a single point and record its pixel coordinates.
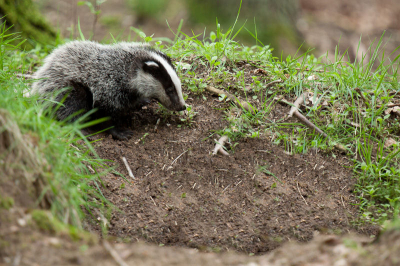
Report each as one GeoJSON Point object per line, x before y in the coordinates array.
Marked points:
{"type": "Point", "coordinates": [45, 221]}
{"type": "Point", "coordinates": [65, 168]}
{"type": "Point", "coordinates": [347, 100]}
{"type": "Point", "coordinates": [361, 123]}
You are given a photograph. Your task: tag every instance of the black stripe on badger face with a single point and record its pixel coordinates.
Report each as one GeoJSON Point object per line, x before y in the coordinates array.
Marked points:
{"type": "Point", "coordinates": [158, 71]}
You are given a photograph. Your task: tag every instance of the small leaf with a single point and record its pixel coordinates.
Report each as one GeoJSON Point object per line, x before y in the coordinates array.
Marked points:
{"type": "Point", "coordinates": [213, 36]}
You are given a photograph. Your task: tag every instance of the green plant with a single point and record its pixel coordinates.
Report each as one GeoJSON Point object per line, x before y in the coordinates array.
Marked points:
{"type": "Point", "coordinates": [68, 169]}
{"type": "Point", "coordinates": [190, 114]}
{"type": "Point", "coordinates": [95, 10]}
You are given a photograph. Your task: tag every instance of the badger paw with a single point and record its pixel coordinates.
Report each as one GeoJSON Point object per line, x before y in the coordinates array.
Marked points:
{"type": "Point", "coordinates": [121, 133]}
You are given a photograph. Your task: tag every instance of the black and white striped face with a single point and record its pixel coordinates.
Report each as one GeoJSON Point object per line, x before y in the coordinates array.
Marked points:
{"type": "Point", "coordinates": [158, 80]}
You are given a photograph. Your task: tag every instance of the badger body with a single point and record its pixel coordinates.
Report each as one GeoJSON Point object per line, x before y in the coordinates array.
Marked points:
{"type": "Point", "coordinates": [113, 79]}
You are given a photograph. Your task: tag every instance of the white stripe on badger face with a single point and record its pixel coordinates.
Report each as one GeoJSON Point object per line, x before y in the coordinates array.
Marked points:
{"type": "Point", "coordinates": [172, 74]}
{"type": "Point", "coordinates": [151, 63]}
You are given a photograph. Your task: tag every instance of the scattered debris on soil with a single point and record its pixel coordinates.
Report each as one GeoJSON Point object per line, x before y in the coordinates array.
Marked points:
{"type": "Point", "coordinates": [251, 201]}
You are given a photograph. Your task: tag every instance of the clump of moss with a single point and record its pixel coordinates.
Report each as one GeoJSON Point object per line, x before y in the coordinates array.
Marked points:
{"type": "Point", "coordinates": [6, 202]}
{"type": "Point", "coordinates": [26, 19]}
{"type": "Point", "coordinates": [47, 222]}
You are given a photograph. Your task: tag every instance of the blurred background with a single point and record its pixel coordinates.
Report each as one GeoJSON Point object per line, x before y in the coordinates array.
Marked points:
{"type": "Point", "coordinates": [285, 25]}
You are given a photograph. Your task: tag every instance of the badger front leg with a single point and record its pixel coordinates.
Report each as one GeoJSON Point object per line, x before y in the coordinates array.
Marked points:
{"type": "Point", "coordinates": [115, 107]}
{"type": "Point", "coordinates": [119, 132]}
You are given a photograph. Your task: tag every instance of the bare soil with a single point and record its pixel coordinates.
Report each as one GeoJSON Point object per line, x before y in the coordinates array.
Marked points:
{"type": "Point", "coordinates": [184, 196]}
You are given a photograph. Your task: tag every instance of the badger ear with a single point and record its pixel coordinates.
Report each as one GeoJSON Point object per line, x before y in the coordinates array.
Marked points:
{"type": "Point", "coordinates": [151, 65]}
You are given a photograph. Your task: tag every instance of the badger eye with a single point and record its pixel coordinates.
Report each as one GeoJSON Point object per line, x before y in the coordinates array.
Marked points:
{"type": "Point", "coordinates": [169, 89]}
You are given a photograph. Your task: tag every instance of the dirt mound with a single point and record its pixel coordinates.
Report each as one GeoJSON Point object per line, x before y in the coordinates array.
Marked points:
{"type": "Point", "coordinates": [18, 164]}
{"type": "Point", "coordinates": [251, 201]}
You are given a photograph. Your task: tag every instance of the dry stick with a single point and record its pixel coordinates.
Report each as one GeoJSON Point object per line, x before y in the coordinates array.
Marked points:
{"type": "Point", "coordinates": [389, 105]}
{"type": "Point", "coordinates": [216, 91]}
{"type": "Point", "coordinates": [294, 111]}
{"type": "Point", "coordinates": [153, 201]}
{"type": "Point", "coordinates": [274, 82]}
{"type": "Point", "coordinates": [300, 193]}
{"type": "Point", "coordinates": [114, 254]}
{"type": "Point", "coordinates": [219, 147]}
{"type": "Point", "coordinates": [308, 70]}
{"type": "Point", "coordinates": [158, 122]}
{"type": "Point", "coordinates": [296, 104]}
{"type": "Point", "coordinates": [127, 167]}
{"type": "Point", "coordinates": [178, 157]}
{"type": "Point", "coordinates": [26, 76]}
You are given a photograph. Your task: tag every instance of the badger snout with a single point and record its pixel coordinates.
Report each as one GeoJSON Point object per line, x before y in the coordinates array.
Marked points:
{"type": "Point", "coordinates": [182, 108]}
{"type": "Point", "coordinates": [177, 107]}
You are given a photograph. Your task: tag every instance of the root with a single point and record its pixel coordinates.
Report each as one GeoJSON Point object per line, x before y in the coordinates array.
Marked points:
{"type": "Point", "coordinates": [219, 147]}
{"type": "Point", "coordinates": [231, 97]}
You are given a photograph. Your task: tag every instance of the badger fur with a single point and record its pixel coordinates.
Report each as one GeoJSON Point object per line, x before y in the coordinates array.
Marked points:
{"type": "Point", "coordinates": [114, 79]}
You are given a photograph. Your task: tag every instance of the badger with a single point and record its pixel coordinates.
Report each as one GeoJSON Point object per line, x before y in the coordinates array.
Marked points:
{"type": "Point", "coordinates": [113, 79]}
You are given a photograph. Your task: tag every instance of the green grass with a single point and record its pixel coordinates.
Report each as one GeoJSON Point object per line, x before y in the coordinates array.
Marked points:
{"type": "Point", "coordinates": [67, 167]}
{"type": "Point", "coordinates": [362, 127]}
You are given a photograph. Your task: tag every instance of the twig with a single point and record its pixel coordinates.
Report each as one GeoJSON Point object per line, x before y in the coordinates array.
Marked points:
{"type": "Point", "coordinates": [225, 188]}
{"type": "Point", "coordinates": [312, 70]}
{"type": "Point", "coordinates": [294, 111]}
{"type": "Point", "coordinates": [238, 183]}
{"type": "Point", "coordinates": [274, 82]}
{"type": "Point", "coordinates": [26, 76]}
{"type": "Point", "coordinates": [342, 201]}
{"type": "Point", "coordinates": [148, 173]}
{"type": "Point", "coordinates": [362, 96]}
{"type": "Point", "coordinates": [296, 104]}
{"type": "Point", "coordinates": [158, 122]}
{"type": "Point", "coordinates": [102, 219]}
{"type": "Point", "coordinates": [219, 147]}
{"type": "Point", "coordinates": [307, 122]}
{"type": "Point", "coordinates": [96, 17]}
{"type": "Point", "coordinates": [91, 169]}
{"type": "Point", "coordinates": [178, 157]}
{"type": "Point", "coordinates": [231, 97]}
{"type": "Point", "coordinates": [389, 105]}
{"type": "Point", "coordinates": [142, 138]}
{"type": "Point", "coordinates": [114, 254]}
{"type": "Point", "coordinates": [153, 201]}
{"type": "Point", "coordinates": [297, 183]}
{"type": "Point", "coordinates": [128, 168]}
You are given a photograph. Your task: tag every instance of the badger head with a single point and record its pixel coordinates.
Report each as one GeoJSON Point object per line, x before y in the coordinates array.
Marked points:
{"type": "Point", "coordinates": [157, 79]}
